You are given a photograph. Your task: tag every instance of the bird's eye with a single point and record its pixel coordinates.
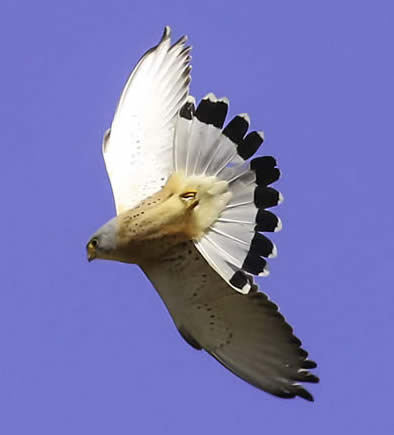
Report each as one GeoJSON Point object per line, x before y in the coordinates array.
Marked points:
{"type": "Point", "coordinates": [189, 195]}
{"type": "Point", "coordinates": [94, 243]}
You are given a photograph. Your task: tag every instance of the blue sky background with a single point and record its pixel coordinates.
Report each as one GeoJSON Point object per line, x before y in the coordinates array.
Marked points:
{"type": "Point", "coordinates": [89, 348]}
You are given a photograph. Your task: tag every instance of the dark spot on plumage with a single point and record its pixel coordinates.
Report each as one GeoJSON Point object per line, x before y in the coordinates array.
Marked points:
{"type": "Point", "coordinates": [250, 145]}
{"type": "Point", "coordinates": [263, 163]}
{"type": "Point", "coordinates": [266, 172]}
{"type": "Point", "coordinates": [266, 197]}
{"type": "Point", "coordinates": [261, 245]}
{"type": "Point", "coordinates": [239, 279]}
{"type": "Point", "coordinates": [187, 111]}
{"type": "Point", "coordinates": [254, 264]}
{"type": "Point", "coordinates": [212, 112]}
{"type": "Point", "coordinates": [266, 221]}
{"type": "Point", "coordinates": [235, 130]}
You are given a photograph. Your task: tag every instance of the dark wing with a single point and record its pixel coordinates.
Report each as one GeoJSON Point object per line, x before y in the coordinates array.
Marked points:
{"type": "Point", "coordinates": [245, 333]}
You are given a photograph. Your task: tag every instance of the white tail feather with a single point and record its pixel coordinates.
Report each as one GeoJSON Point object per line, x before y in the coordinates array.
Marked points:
{"type": "Point", "coordinates": [215, 259]}
{"type": "Point", "coordinates": [202, 149]}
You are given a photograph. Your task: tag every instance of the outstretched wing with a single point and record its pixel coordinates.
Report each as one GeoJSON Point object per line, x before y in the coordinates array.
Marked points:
{"type": "Point", "coordinates": [138, 148]}
{"type": "Point", "coordinates": [245, 333]}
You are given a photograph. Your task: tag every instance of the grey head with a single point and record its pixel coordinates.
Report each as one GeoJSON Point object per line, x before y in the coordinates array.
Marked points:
{"type": "Point", "coordinates": [103, 243]}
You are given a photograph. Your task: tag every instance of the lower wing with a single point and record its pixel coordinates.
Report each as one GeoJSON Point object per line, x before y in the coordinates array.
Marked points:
{"type": "Point", "coordinates": [245, 333]}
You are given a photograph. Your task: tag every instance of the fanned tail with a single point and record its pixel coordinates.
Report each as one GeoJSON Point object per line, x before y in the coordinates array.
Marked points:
{"type": "Point", "coordinates": [233, 245]}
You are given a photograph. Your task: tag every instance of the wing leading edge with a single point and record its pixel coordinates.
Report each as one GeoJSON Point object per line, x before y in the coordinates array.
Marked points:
{"type": "Point", "coordinates": [138, 148]}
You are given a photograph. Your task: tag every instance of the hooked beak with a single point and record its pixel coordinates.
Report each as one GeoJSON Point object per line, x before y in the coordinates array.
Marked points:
{"type": "Point", "coordinates": [91, 253]}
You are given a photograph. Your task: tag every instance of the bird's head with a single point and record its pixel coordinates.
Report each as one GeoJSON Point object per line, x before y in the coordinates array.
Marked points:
{"type": "Point", "coordinates": [103, 243]}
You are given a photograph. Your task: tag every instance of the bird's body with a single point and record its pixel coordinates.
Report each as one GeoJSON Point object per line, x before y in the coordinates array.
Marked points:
{"type": "Point", "coordinates": [182, 210]}
{"type": "Point", "coordinates": [190, 211]}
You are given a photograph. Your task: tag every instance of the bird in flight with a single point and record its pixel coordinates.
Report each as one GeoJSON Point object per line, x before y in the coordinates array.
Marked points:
{"type": "Point", "coordinates": [191, 207]}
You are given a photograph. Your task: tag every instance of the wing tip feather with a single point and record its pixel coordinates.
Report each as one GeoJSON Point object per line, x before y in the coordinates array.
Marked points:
{"type": "Point", "coordinates": [166, 34]}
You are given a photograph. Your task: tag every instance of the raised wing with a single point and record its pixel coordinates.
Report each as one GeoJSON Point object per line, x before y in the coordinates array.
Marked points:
{"type": "Point", "coordinates": [138, 148]}
{"type": "Point", "coordinates": [245, 333]}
